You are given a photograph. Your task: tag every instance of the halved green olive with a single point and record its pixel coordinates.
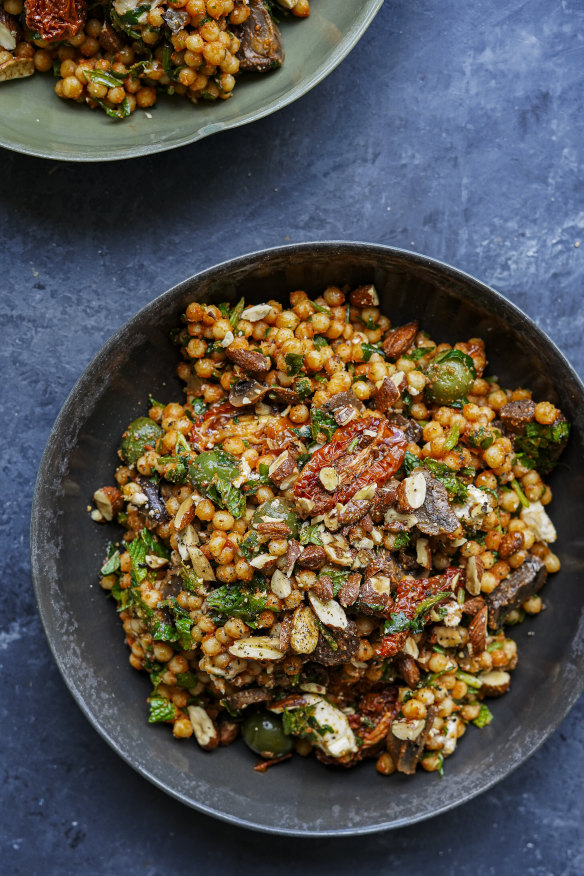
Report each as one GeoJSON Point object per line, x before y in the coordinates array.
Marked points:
{"type": "Point", "coordinates": [450, 377]}
{"type": "Point", "coordinates": [141, 432]}
{"type": "Point", "coordinates": [278, 509]}
{"type": "Point", "coordinates": [264, 734]}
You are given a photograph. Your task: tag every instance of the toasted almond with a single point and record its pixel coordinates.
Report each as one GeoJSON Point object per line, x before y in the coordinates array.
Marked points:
{"type": "Point", "coordinates": [261, 561]}
{"type": "Point", "coordinates": [449, 637]}
{"type": "Point", "coordinates": [7, 38]}
{"type": "Point", "coordinates": [185, 514]}
{"type": "Point", "coordinates": [494, 683]}
{"type": "Point", "coordinates": [474, 575]}
{"type": "Point", "coordinates": [109, 501]}
{"type": "Point", "coordinates": [304, 506]}
{"type": "Point", "coordinates": [205, 731]}
{"type": "Point", "coordinates": [411, 493]}
{"type": "Point", "coordinates": [329, 612]}
{"type": "Point", "coordinates": [423, 553]}
{"type": "Point", "coordinates": [155, 562]}
{"type": "Point", "coordinates": [201, 565]}
{"type": "Point", "coordinates": [407, 731]}
{"type": "Point", "coordinates": [411, 648]}
{"type": "Point", "coordinates": [281, 585]}
{"type": "Point", "coordinates": [328, 478]}
{"type": "Point", "coordinates": [256, 648]}
{"type": "Point", "coordinates": [304, 634]}
{"type": "Point", "coordinates": [256, 312]}
{"type": "Point", "coordinates": [16, 68]}
{"type": "Point", "coordinates": [365, 493]}
{"type": "Point", "coordinates": [337, 554]}
{"type": "Point", "coordinates": [477, 631]}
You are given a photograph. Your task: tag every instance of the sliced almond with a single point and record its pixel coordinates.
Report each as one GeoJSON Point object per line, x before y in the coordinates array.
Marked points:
{"type": "Point", "coordinates": [261, 561]}
{"type": "Point", "coordinates": [16, 68]}
{"type": "Point", "coordinates": [329, 478]}
{"type": "Point", "coordinates": [305, 506]}
{"type": "Point", "coordinates": [329, 612]}
{"type": "Point", "coordinates": [185, 514]}
{"type": "Point", "coordinates": [411, 648]}
{"type": "Point", "coordinates": [423, 553]}
{"type": "Point", "coordinates": [411, 493]}
{"type": "Point", "coordinates": [400, 380]}
{"type": "Point", "coordinates": [474, 575]}
{"type": "Point", "coordinates": [201, 565]}
{"type": "Point", "coordinates": [365, 493]}
{"type": "Point", "coordinates": [494, 683]}
{"type": "Point", "coordinates": [304, 634]}
{"type": "Point", "coordinates": [109, 501]}
{"type": "Point", "coordinates": [155, 562]}
{"type": "Point", "coordinates": [281, 585]}
{"type": "Point", "coordinates": [256, 648]}
{"type": "Point", "coordinates": [7, 38]}
{"type": "Point", "coordinates": [339, 555]}
{"type": "Point", "coordinates": [205, 731]}
{"type": "Point", "coordinates": [449, 637]}
{"type": "Point", "coordinates": [407, 731]}
{"type": "Point", "coordinates": [256, 313]}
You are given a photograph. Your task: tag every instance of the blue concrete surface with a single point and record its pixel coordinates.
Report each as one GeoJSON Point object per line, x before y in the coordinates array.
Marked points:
{"type": "Point", "coordinates": [455, 129]}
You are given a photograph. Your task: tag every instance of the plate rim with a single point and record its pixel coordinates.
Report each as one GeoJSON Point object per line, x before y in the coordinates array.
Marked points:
{"type": "Point", "coordinates": [341, 51]}
{"type": "Point", "coordinates": [71, 402]}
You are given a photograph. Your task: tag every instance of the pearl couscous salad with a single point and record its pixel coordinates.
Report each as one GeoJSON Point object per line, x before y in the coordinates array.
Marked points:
{"type": "Point", "coordinates": [327, 543]}
{"type": "Point", "coordinates": [120, 55]}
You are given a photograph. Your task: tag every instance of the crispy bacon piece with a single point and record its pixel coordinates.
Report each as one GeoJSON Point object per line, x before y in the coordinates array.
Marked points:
{"type": "Point", "coordinates": [55, 19]}
{"type": "Point", "coordinates": [411, 592]}
{"type": "Point", "coordinates": [366, 451]}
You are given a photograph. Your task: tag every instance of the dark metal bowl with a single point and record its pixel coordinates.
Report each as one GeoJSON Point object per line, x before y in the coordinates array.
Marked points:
{"type": "Point", "coordinates": [300, 797]}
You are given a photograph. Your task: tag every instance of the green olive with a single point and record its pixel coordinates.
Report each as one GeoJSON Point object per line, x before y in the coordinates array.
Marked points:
{"type": "Point", "coordinates": [448, 381]}
{"type": "Point", "coordinates": [280, 510]}
{"type": "Point", "coordinates": [264, 734]}
{"type": "Point", "coordinates": [141, 432]}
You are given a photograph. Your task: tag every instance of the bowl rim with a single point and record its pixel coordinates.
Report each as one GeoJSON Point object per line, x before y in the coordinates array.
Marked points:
{"type": "Point", "coordinates": [71, 402]}
{"type": "Point", "coordinates": [329, 64]}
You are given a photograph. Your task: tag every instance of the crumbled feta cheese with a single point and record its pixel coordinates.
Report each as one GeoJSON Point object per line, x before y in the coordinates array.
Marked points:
{"type": "Point", "coordinates": [535, 516]}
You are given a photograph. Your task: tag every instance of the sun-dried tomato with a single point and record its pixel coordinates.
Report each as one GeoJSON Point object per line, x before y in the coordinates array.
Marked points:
{"type": "Point", "coordinates": [207, 429]}
{"type": "Point", "coordinates": [363, 452]}
{"type": "Point", "coordinates": [55, 19]}
{"type": "Point", "coordinates": [411, 593]}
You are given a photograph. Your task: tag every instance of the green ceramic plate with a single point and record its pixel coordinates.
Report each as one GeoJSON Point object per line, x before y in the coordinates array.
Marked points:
{"type": "Point", "coordinates": [35, 121]}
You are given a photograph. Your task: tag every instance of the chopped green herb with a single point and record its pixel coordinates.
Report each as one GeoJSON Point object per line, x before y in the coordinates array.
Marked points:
{"type": "Point", "coordinates": [161, 709]}
{"type": "Point", "coordinates": [303, 387]}
{"type": "Point", "coordinates": [235, 314]}
{"type": "Point", "coordinates": [520, 494]}
{"type": "Point", "coordinates": [337, 577]}
{"type": "Point", "coordinates": [238, 600]}
{"type": "Point", "coordinates": [294, 363]}
{"type": "Point", "coordinates": [469, 680]}
{"type": "Point", "coordinates": [451, 439]}
{"type": "Point", "coordinates": [484, 717]}
{"type": "Point", "coordinates": [402, 540]}
{"type": "Point", "coordinates": [310, 535]}
{"type": "Point", "coordinates": [442, 472]}
{"type": "Point", "coordinates": [248, 546]}
{"type": "Point", "coordinates": [369, 349]}
{"type": "Point", "coordinates": [409, 463]}
{"type": "Point", "coordinates": [322, 422]}
{"type": "Point", "coordinates": [538, 446]}
{"type": "Point", "coordinates": [419, 353]}
{"type": "Point", "coordinates": [112, 564]}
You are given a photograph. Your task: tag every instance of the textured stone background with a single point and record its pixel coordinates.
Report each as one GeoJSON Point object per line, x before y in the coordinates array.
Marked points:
{"type": "Point", "coordinates": [454, 129]}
